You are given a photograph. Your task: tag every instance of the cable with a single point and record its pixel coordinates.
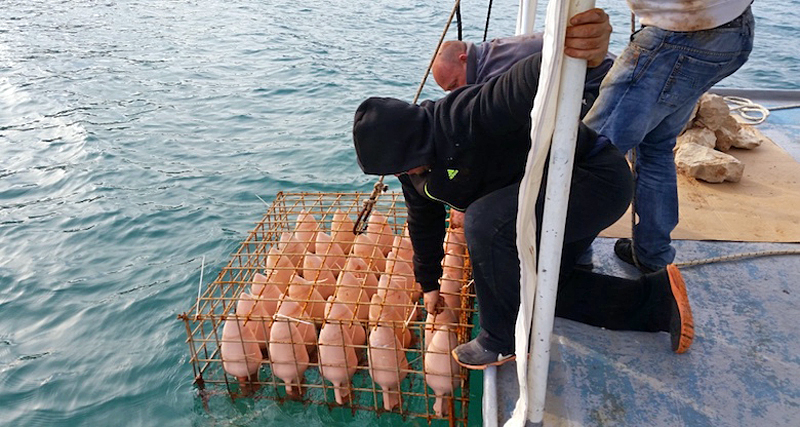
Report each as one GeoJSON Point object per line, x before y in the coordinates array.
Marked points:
{"type": "Point", "coordinates": [488, 14]}
{"type": "Point", "coordinates": [458, 21]}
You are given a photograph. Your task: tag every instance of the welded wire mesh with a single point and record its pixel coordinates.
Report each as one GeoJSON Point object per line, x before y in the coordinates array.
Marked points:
{"type": "Point", "coordinates": [306, 310]}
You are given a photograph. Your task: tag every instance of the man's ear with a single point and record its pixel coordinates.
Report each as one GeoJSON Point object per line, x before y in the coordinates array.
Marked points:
{"type": "Point", "coordinates": [462, 57]}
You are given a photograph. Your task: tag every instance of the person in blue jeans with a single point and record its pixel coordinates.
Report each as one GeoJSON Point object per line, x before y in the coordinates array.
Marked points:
{"type": "Point", "coordinates": [682, 50]}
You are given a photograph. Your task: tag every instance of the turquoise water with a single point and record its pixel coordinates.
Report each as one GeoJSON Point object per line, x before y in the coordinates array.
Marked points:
{"type": "Point", "coordinates": [134, 138]}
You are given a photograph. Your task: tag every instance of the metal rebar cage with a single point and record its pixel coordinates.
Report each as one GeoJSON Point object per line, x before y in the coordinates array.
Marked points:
{"type": "Point", "coordinates": [304, 303]}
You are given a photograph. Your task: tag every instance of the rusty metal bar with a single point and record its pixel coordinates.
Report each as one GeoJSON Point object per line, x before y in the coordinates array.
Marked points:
{"type": "Point", "coordinates": [219, 299]}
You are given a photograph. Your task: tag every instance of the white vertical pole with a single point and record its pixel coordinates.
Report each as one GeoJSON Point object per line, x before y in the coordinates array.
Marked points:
{"type": "Point", "coordinates": [525, 16]}
{"type": "Point", "coordinates": [543, 119]}
{"type": "Point", "coordinates": [489, 407]}
{"type": "Point", "coordinates": [559, 177]}
{"type": "Point", "coordinates": [525, 20]}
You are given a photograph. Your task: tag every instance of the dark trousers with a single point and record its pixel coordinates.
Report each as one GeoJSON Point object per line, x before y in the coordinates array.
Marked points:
{"type": "Point", "coordinates": [600, 194]}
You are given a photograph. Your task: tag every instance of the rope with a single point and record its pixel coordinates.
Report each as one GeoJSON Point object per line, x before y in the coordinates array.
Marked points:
{"type": "Point", "coordinates": [726, 258]}
{"type": "Point", "coordinates": [633, 209]}
{"type": "Point", "coordinates": [436, 51]}
{"type": "Point", "coordinates": [784, 107]}
{"type": "Point", "coordinates": [199, 287]}
{"type": "Point", "coordinates": [746, 108]}
{"type": "Point", "coordinates": [488, 14]}
{"type": "Point", "coordinates": [361, 223]}
{"type": "Point", "coordinates": [633, 23]}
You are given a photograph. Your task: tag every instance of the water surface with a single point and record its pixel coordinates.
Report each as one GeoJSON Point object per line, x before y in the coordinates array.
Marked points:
{"type": "Point", "coordinates": [134, 138]}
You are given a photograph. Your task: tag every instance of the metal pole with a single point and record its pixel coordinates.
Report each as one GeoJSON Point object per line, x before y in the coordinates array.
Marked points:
{"type": "Point", "coordinates": [525, 16]}
{"type": "Point", "coordinates": [489, 406]}
{"type": "Point", "coordinates": [562, 152]}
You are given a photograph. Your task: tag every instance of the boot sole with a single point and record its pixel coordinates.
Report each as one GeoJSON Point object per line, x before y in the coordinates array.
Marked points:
{"type": "Point", "coordinates": [678, 288]}
{"type": "Point", "coordinates": [481, 367]}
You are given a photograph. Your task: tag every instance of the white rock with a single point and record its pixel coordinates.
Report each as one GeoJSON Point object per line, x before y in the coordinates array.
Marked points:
{"type": "Point", "coordinates": [713, 111]}
{"type": "Point", "coordinates": [707, 164]}
{"type": "Point", "coordinates": [697, 135]}
{"type": "Point", "coordinates": [747, 138]}
{"type": "Point", "coordinates": [727, 133]}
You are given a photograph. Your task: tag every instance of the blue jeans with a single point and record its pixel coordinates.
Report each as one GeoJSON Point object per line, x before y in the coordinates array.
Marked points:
{"type": "Point", "coordinates": [645, 101]}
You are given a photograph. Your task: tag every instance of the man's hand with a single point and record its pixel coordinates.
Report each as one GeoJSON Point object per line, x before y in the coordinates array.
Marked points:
{"type": "Point", "coordinates": [588, 36]}
{"type": "Point", "coordinates": [433, 304]}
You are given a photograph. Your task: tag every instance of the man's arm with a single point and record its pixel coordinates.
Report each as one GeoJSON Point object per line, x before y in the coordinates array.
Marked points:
{"type": "Point", "coordinates": [426, 227]}
{"type": "Point", "coordinates": [503, 104]}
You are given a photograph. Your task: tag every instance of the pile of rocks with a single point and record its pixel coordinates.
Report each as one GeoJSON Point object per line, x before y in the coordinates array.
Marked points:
{"type": "Point", "coordinates": [701, 149]}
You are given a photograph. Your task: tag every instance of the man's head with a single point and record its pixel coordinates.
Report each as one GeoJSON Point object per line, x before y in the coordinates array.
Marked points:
{"type": "Point", "coordinates": [450, 66]}
{"type": "Point", "coordinates": [392, 136]}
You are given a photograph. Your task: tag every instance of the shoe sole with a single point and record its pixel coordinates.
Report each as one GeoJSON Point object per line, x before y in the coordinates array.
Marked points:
{"type": "Point", "coordinates": [484, 366]}
{"type": "Point", "coordinates": [678, 287]}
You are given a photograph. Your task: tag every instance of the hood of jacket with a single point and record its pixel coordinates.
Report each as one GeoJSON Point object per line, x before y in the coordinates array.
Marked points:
{"type": "Point", "coordinates": [392, 136]}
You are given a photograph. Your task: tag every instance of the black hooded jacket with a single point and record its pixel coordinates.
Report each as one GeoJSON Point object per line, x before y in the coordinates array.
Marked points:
{"type": "Point", "coordinates": [475, 141]}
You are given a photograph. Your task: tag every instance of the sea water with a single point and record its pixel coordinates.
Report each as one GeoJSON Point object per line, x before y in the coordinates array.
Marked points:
{"type": "Point", "coordinates": [135, 137]}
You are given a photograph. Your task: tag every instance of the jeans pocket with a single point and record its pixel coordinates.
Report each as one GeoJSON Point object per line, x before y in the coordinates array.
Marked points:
{"type": "Point", "coordinates": [691, 77]}
{"type": "Point", "coordinates": [641, 61]}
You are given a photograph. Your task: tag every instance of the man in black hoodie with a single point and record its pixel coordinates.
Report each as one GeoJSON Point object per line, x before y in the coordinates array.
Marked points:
{"type": "Point", "coordinates": [468, 151]}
